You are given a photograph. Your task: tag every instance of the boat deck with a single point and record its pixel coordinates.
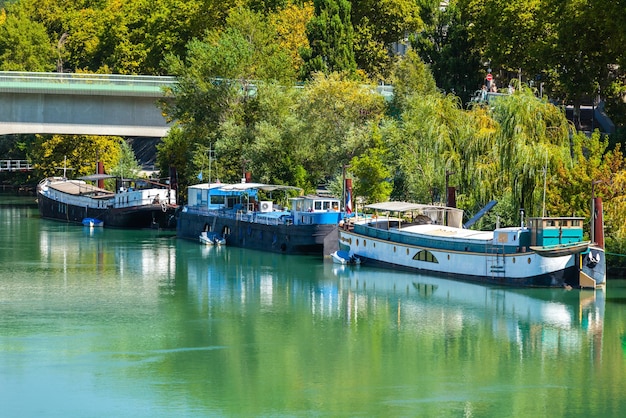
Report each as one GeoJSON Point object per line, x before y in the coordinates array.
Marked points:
{"type": "Point", "coordinates": [448, 232]}
{"type": "Point", "coordinates": [79, 188]}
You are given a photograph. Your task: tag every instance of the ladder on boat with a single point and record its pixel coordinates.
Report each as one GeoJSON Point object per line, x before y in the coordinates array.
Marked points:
{"type": "Point", "coordinates": [495, 263]}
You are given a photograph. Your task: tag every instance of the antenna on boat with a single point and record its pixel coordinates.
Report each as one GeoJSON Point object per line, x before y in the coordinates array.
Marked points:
{"type": "Point", "coordinates": [64, 168]}
{"type": "Point", "coordinates": [210, 158]}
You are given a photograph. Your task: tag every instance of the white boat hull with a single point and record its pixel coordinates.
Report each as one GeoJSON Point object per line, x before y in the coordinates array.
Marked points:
{"type": "Point", "coordinates": [522, 269]}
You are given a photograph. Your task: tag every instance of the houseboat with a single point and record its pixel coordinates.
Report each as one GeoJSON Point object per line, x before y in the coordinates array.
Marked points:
{"type": "Point", "coordinates": [248, 215]}
{"type": "Point", "coordinates": [544, 252]}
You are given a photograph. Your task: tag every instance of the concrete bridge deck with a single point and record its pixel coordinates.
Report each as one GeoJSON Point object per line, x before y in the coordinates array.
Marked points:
{"type": "Point", "coordinates": [82, 104]}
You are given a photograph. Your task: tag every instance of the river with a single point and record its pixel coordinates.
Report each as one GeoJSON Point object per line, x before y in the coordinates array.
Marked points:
{"type": "Point", "coordinates": [103, 322]}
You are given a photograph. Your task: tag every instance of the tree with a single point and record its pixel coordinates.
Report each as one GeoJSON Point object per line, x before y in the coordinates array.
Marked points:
{"type": "Point", "coordinates": [445, 45]}
{"type": "Point", "coordinates": [531, 133]}
{"type": "Point", "coordinates": [79, 153]}
{"type": "Point", "coordinates": [377, 26]}
{"type": "Point", "coordinates": [331, 39]}
{"type": "Point", "coordinates": [410, 77]}
{"type": "Point", "coordinates": [372, 172]}
{"type": "Point", "coordinates": [290, 23]}
{"type": "Point", "coordinates": [215, 101]}
{"type": "Point", "coordinates": [24, 44]}
{"type": "Point", "coordinates": [337, 115]}
{"type": "Point", "coordinates": [424, 143]}
{"type": "Point", "coordinates": [127, 165]}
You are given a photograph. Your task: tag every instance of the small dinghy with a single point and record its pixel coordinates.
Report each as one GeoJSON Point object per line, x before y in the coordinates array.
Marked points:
{"type": "Point", "coordinates": [343, 257]}
{"type": "Point", "coordinates": [92, 222]}
{"type": "Point", "coordinates": [211, 238]}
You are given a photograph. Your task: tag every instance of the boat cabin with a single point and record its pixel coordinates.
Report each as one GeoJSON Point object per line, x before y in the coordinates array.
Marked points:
{"type": "Point", "coordinates": [314, 204]}
{"type": "Point", "coordinates": [555, 231]}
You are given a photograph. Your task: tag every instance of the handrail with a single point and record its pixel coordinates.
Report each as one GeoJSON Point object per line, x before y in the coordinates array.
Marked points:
{"type": "Point", "coordinates": [15, 165]}
{"type": "Point", "coordinates": [80, 78]}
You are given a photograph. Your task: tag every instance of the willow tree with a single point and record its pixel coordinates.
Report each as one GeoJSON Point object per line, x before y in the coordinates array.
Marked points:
{"type": "Point", "coordinates": [532, 136]}
{"type": "Point", "coordinates": [426, 148]}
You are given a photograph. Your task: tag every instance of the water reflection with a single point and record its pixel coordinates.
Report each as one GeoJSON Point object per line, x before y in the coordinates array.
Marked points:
{"type": "Point", "coordinates": [551, 321]}
{"type": "Point", "coordinates": [145, 255]}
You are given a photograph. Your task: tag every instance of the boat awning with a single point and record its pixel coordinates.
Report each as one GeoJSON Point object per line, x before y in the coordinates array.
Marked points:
{"type": "Point", "coordinates": [96, 177]}
{"type": "Point", "coordinates": [257, 186]}
{"type": "Point", "coordinates": [404, 207]}
{"type": "Point", "coordinates": [76, 188]}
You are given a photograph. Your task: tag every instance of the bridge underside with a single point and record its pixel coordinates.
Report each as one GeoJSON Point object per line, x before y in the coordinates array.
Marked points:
{"type": "Point", "coordinates": [81, 114]}
{"type": "Point", "coordinates": [7, 128]}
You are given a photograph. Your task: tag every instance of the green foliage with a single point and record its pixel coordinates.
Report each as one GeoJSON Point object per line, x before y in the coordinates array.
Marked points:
{"type": "Point", "coordinates": [372, 172]}
{"type": "Point", "coordinates": [377, 25]}
{"type": "Point", "coordinates": [338, 115]}
{"type": "Point", "coordinates": [24, 44]}
{"type": "Point", "coordinates": [127, 165]}
{"type": "Point", "coordinates": [411, 77]}
{"type": "Point", "coordinates": [445, 45]}
{"type": "Point", "coordinates": [175, 151]}
{"type": "Point", "coordinates": [78, 153]}
{"type": "Point", "coordinates": [331, 39]}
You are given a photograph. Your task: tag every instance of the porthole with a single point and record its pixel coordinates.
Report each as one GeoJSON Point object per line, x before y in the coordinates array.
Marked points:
{"type": "Point", "coordinates": [364, 243]}
{"type": "Point", "coordinates": [394, 248]}
{"type": "Point", "coordinates": [528, 260]}
{"type": "Point", "coordinates": [407, 251]}
{"type": "Point", "coordinates": [357, 242]}
{"type": "Point", "coordinates": [513, 260]}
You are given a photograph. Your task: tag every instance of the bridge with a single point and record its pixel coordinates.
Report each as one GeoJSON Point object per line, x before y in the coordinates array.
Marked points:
{"type": "Point", "coordinates": [82, 104]}
{"type": "Point", "coordinates": [15, 165]}
{"type": "Point", "coordinates": [87, 104]}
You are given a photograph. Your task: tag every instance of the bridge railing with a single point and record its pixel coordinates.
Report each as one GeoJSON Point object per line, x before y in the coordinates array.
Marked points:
{"type": "Point", "coordinates": [78, 83]}
{"type": "Point", "coordinates": [80, 78]}
{"type": "Point", "coordinates": [15, 165]}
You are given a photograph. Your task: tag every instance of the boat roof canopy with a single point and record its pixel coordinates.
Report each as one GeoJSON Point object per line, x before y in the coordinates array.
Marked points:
{"type": "Point", "coordinates": [96, 177]}
{"type": "Point", "coordinates": [245, 186]}
{"type": "Point", "coordinates": [404, 207]}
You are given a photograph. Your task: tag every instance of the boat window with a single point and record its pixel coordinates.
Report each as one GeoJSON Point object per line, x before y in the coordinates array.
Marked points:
{"type": "Point", "coordinates": [326, 205]}
{"type": "Point", "coordinates": [318, 205]}
{"type": "Point", "coordinates": [425, 255]}
{"type": "Point", "coordinates": [217, 200]}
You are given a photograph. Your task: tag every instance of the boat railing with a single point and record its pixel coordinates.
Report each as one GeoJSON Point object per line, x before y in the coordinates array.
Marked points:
{"type": "Point", "coordinates": [376, 230]}
{"type": "Point", "coordinates": [243, 215]}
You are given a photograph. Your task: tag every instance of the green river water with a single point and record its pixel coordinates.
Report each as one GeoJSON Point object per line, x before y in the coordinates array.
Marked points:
{"type": "Point", "coordinates": [111, 323]}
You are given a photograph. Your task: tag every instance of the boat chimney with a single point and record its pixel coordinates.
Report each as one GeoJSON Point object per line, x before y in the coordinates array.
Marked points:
{"type": "Point", "coordinates": [597, 222]}
{"type": "Point", "coordinates": [521, 216]}
{"type": "Point", "coordinates": [451, 197]}
{"type": "Point", "coordinates": [100, 170]}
